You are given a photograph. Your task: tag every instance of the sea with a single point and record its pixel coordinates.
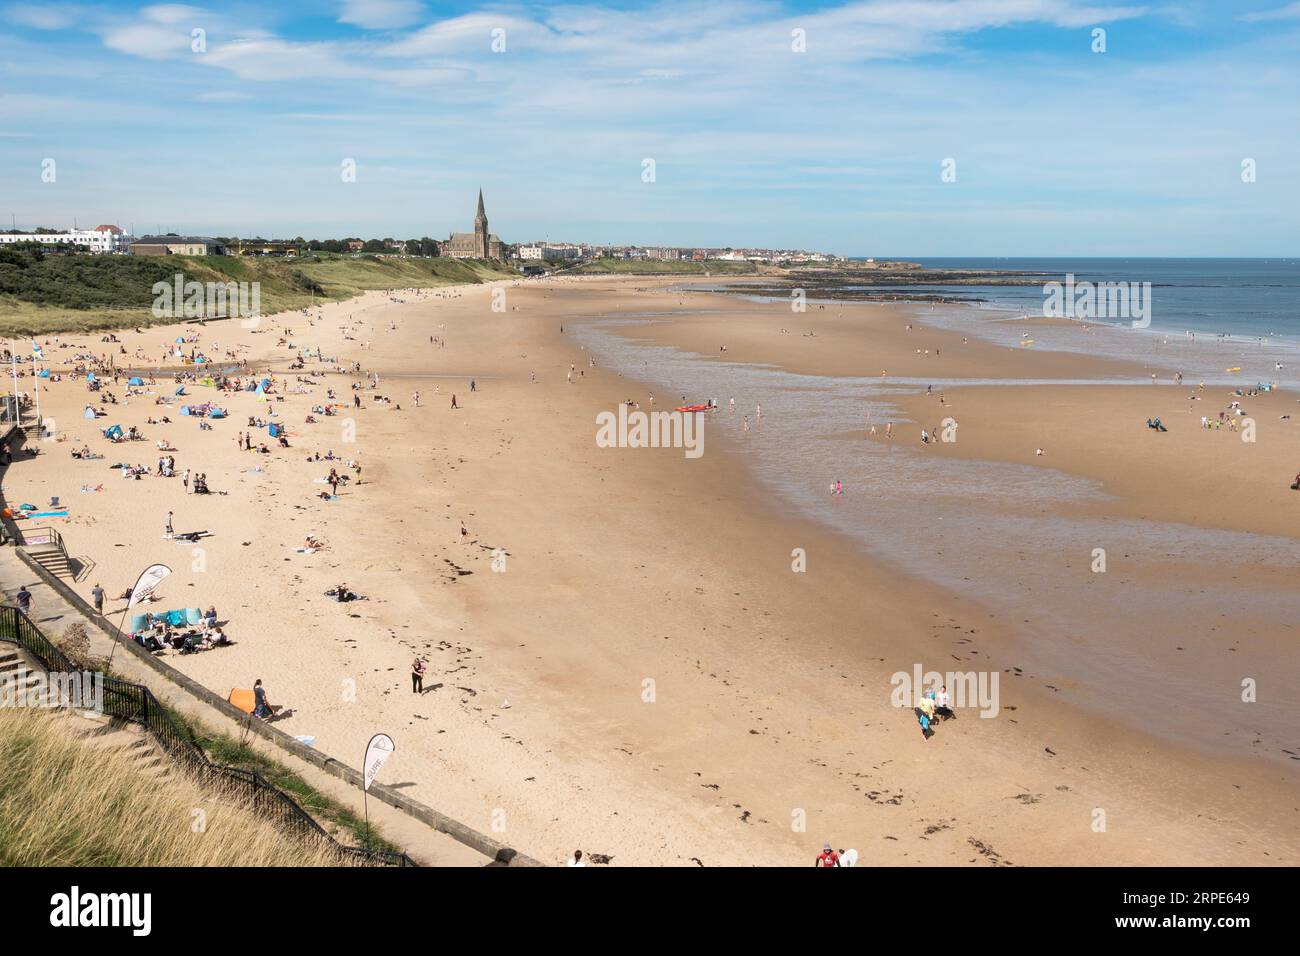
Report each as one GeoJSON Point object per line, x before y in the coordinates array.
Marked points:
{"type": "Point", "coordinates": [1240, 297]}
{"type": "Point", "coordinates": [1005, 535]}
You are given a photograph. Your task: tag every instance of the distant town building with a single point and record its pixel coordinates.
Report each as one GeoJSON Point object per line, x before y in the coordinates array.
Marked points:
{"type": "Point", "coordinates": [479, 244]}
{"type": "Point", "coordinates": [265, 247]}
{"type": "Point", "coordinates": [355, 245]}
{"type": "Point", "coordinates": [177, 246]}
{"type": "Point", "coordinates": [100, 239]}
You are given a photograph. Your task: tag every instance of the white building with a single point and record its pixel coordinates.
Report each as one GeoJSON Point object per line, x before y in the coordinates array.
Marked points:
{"type": "Point", "coordinates": [99, 239]}
{"type": "Point", "coordinates": [550, 253]}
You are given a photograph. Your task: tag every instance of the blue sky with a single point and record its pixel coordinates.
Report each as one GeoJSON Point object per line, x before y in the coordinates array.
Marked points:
{"type": "Point", "coordinates": [1058, 150]}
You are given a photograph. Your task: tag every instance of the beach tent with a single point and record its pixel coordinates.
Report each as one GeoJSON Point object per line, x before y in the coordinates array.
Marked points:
{"type": "Point", "coordinates": [185, 410]}
{"type": "Point", "coordinates": [113, 431]}
{"type": "Point", "coordinates": [88, 413]}
{"type": "Point", "coordinates": [90, 377]}
{"type": "Point", "coordinates": [179, 391]}
{"type": "Point", "coordinates": [43, 373]}
{"type": "Point", "coordinates": [210, 383]}
{"type": "Point", "coordinates": [136, 380]}
{"type": "Point", "coordinates": [273, 429]}
{"type": "Point", "coordinates": [217, 413]}
{"type": "Point", "coordinates": [242, 698]}
{"type": "Point", "coordinates": [180, 340]}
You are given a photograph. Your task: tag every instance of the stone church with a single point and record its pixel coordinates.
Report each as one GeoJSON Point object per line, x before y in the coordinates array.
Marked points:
{"type": "Point", "coordinates": [479, 244]}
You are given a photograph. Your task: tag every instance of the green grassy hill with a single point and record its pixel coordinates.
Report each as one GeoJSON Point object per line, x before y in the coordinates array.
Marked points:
{"type": "Point", "coordinates": [40, 294]}
{"type": "Point", "coordinates": [67, 799]}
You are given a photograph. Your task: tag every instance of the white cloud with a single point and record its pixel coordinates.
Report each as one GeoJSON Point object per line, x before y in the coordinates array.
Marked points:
{"type": "Point", "coordinates": [41, 18]}
{"type": "Point", "coordinates": [381, 14]}
{"type": "Point", "coordinates": [1290, 12]}
{"type": "Point", "coordinates": [164, 34]}
{"type": "Point", "coordinates": [222, 96]}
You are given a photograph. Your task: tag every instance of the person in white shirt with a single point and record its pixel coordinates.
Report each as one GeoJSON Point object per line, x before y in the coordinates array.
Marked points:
{"type": "Point", "coordinates": [576, 859]}
{"type": "Point", "coordinates": [943, 704]}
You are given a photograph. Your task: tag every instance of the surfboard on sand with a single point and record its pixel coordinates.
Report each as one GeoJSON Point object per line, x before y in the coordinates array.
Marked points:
{"type": "Point", "coordinates": [849, 858]}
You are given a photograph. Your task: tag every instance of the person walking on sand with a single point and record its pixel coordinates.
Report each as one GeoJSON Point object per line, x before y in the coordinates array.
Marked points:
{"type": "Point", "coordinates": [97, 595]}
{"type": "Point", "coordinates": [417, 676]}
{"type": "Point", "coordinates": [827, 857]}
{"type": "Point", "coordinates": [169, 532]}
{"type": "Point", "coordinates": [453, 401]}
{"type": "Point", "coordinates": [464, 532]}
{"type": "Point", "coordinates": [185, 480]}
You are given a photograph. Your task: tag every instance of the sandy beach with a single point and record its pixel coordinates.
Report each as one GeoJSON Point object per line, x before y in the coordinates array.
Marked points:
{"type": "Point", "coordinates": [621, 658]}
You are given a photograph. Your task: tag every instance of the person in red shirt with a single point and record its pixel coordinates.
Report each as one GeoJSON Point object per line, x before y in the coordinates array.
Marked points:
{"type": "Point", "coordinates": [828, 857]}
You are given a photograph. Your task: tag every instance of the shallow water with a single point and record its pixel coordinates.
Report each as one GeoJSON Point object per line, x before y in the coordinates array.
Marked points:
{"type": "Point", "coordinates": [989, 531]}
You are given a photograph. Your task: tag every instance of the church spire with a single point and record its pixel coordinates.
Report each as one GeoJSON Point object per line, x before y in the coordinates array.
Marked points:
{"type": "Point", "coordinates": [481, 235]}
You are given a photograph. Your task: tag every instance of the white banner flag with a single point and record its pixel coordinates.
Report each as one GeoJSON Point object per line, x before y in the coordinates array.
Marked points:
{"type": "Point", "coordinates": [149, 579]}
{"type": "Point", "coordinates": [377, 751]}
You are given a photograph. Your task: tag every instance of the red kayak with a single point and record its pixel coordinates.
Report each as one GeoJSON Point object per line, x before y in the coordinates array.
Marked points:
{"type": "Point", "coordinates": [694, 408]}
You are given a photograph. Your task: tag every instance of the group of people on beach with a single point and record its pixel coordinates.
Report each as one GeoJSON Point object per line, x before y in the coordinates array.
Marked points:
{"type": "Point", "coordinates": [933, 708]}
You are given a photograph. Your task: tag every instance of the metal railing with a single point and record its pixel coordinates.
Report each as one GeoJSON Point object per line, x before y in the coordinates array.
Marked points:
{"type": "Point", "coordinates": [137, 704]}
{"type": "Point", "coordinates": [41, 538]}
